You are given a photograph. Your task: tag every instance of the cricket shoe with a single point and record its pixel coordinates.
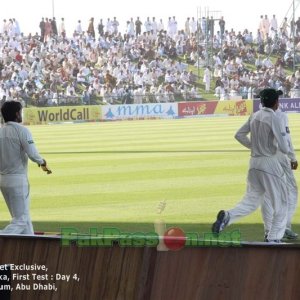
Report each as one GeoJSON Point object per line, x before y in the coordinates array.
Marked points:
{"type": "Point", "coordinates": [266, 235]}
{"type": "Point", "coordinates": [290, 234]}
{"type": "Point", "coordinates": [273, 241]}
{"type": "Point", "coordinates": [221, 222]}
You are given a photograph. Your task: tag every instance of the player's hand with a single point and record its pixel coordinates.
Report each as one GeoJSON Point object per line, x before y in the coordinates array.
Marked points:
{"type": "Point", "coordinates": [294, 165]}
{"type": "Point", "coordinates": [45, 168]}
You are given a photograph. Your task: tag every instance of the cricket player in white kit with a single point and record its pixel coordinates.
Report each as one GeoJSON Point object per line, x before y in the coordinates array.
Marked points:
{"type": "Point", "coordinates": [16, 145]}
{"type": "Point", "coordinates": [288, 163]}
{"type": "Point", "coordinates": [266, 177]}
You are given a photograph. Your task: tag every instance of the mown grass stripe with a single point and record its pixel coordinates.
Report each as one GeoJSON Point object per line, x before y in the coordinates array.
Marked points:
{"type": "Point", "coordinates": [118, 172]}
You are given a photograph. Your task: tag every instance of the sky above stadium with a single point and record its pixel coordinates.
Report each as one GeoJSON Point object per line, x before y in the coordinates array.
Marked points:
{"type": "Point", "coordinates": [238, 14]}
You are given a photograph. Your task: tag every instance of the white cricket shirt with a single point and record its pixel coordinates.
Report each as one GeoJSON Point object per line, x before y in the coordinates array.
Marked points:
{"type": "Point", "coordinates": [16, 145]}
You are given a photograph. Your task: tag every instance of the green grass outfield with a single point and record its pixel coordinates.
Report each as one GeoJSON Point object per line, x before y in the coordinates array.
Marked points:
{"type": "Point", "coordinates": [116, 174]}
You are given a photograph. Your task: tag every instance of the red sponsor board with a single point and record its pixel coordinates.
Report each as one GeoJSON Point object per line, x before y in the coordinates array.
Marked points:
{"type": "Point", "coordinates": [196, 108]}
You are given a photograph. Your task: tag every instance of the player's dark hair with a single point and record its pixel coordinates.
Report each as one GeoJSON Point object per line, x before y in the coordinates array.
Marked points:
{"type": "Point", "coordinates": [9, 110]}
{"type": "Point", "coordinates": [269, 97]}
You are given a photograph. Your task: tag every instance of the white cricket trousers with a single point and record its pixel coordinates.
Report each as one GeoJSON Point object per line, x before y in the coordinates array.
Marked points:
{"type": "Point", "coordinates": [15, 190]}
{"type": "Point", "coordinates": [266, 178]}
{"type": "Point", "coordinates": [292, 190]}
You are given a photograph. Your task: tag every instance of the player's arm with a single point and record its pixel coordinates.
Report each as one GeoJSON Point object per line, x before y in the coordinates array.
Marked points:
{"type": "Point", "coordinates": [242, 135]}
{"type": "Point", "coordinates": [280, 134]}
{"type": "Point", "coordinates": [31, 150]}
{"type": "Point", "coordinates": [291, 153]}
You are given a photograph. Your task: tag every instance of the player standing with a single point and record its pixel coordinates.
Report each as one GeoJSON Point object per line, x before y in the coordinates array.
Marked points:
{"type": "Point", "coordinates": [288, 163]}
{"type": "Point", "coordinates": [16, 145]}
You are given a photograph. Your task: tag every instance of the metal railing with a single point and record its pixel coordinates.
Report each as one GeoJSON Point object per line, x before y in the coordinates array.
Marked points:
{"type": "Point", "coordinates": [128, 98]}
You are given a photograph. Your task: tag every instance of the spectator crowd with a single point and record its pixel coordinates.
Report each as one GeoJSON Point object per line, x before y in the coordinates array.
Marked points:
{"type": "Point", "coordinates": [151, 61]}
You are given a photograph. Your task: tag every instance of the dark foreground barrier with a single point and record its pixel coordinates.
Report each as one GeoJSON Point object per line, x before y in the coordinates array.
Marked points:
{"type": "Point", "coordinates": [42, 269]}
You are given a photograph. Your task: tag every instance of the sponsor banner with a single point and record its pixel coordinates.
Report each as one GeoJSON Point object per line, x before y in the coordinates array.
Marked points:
{"type": "Point", "coordinates": [191, 109]}
{"type": "Point", "coordinates": [256, 105]}
{"type": "Point", "coordinates": [285, 104]}
{"type": "Point", "coordinates": [235, 107]}
{"type": "Point", "coordinates": [228, 107]}
{"type": "Point", "coordinates": [139, 111]}
{"type": "Point", "coordinates": [45, 115]}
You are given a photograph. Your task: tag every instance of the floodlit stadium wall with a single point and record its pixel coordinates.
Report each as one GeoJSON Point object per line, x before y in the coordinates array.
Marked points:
{"type": "Point", "coordinates": [46, 115]}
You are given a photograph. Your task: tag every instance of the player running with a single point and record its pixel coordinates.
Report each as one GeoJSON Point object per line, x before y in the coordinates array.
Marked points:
{"type": "Point", "coordinates": [266, 177]}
